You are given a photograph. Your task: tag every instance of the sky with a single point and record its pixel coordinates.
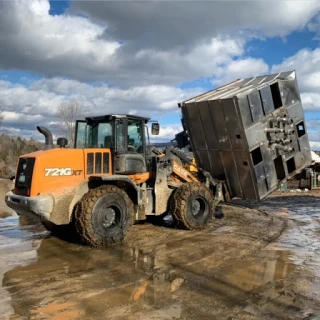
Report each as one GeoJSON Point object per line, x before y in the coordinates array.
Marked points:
{"type": "Point", "coordinates": [144, 57]}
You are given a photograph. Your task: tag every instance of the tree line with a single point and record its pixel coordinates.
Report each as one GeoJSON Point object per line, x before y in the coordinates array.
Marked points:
{"type": "Point", "coordinates": [11, 148]}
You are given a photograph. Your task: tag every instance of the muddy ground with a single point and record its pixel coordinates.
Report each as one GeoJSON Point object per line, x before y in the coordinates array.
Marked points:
{"type": "Point", "coordinates": [261, 261]}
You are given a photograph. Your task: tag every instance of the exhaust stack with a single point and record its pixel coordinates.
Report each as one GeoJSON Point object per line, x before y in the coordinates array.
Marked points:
{"type": "Point", "coordinates": [48, 135]}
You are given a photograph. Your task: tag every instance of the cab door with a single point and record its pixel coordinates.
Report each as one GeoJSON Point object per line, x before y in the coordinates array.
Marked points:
{"type": "Point", "coordinates": [130, 147]}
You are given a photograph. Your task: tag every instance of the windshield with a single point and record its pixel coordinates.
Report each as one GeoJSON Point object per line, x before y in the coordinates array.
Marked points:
{"type": "Point", "coordinates": [95, 135]}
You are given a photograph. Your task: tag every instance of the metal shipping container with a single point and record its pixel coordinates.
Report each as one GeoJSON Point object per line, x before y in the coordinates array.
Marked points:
{"type": "Point", "coordinates": [250, 132]}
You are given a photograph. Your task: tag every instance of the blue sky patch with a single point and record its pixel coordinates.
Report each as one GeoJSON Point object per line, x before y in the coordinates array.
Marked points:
{"type": "Point", "coordinates": [19, 76]}
{"type": "Point", "coordinates": [275, 50]}
{"type": "Point", "coordinates": [58, 7]}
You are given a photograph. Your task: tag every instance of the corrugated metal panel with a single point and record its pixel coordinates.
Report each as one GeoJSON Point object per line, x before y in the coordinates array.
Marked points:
{"type": "Point", "coordinates": [239, 86]}
{"type": "Point", "coordinates": [250, 132]}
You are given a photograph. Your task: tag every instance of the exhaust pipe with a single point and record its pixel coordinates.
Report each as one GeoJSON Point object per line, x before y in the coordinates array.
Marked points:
{"type": "Point", "coordinates": [48, 135]}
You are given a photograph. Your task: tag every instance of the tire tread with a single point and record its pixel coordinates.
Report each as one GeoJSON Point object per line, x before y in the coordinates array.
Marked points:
{"type": "Point", "coordinates": [83, 215]}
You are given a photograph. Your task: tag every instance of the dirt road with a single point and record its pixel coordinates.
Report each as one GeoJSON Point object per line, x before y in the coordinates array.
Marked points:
{"type": "Point", "coordinates": [260, 262]}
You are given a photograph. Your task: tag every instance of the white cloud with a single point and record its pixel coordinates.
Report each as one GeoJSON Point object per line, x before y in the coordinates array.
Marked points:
{"type": "Point", "coordinates": [307, 64]}
{"type": "Point", "coordinates": [143, 51]}
{"type": "Point", "coordinates": [167, 132]}
{"type": "Point", "coordinates": [243, 68]}
{"type": "Point", "coordinates": [313, 134]}
{"type": "Point", "coordinates": [18, 118]}
{"type": "Point", "coordinates": [163, 24]}
{"type": "Point", "coordinates": [315, 145]}
{"type": "Point", "coordinates": [32, 39]}
{"type": "Point", "coordinates": [39, 7]}
{"type": "Point", "coordinates": [141, 43]}
{"type": "Point", "coordinates": [11, 131]}
{"type": "Point", "coordinates": [17, 98]}
{"type": "Point", "coordinates": [26, 107]}
{"type": "Point", "coordinates": [310, 100]}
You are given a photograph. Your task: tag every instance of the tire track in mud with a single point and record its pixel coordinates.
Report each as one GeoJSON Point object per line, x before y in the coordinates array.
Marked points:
{"type": "Point", "coordinates": [295, 291]}
{"type": "Point", "coordinates": [279, 302]}
{"type": "Point", "coordinates": [182, 238]}
{"type": "Point", "coordinates": [198, 280]}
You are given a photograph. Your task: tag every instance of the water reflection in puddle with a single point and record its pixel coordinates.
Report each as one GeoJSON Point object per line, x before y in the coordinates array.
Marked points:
{"type": "Point", "coordinates": [18, 244]}
{"type": "Point", "coordinates": [303, 214]}
{"type": "Point", "coordinates": [39, 274]}
{"type": "Point", "coordinates": [65, 281]}
{"type": "Point", "coordinates": [273, 266]}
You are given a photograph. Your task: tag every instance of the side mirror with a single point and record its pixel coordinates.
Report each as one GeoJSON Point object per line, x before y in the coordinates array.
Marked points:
{"type": "Point", "coordinates": [155, 128]}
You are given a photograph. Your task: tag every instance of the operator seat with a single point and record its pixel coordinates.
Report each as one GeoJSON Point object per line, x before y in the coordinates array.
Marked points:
{"type": "Point", "coordinates": [131, 147]}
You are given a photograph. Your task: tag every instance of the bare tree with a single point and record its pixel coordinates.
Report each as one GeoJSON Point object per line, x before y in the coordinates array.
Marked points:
{"type": "Point", "coordinates": [68, 112]}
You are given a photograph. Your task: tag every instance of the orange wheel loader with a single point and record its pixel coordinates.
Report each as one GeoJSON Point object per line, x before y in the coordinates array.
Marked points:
{"type": "Point", "coordinates": [109, 180]}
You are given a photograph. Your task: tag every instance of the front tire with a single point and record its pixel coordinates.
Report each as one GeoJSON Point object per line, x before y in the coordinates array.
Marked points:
{"type": "Point", "coordinates": [104, 216]}
{"type": "Point", "coordinates": [192, 206]}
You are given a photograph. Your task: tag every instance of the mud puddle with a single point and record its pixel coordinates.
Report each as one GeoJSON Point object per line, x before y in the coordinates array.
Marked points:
{"type": "Point", "coordinates": [302, 236]}
{"type": "Point", "coordinates": [18, 244]}
{"type": "Point", "coordinates": [303, 216]}
{"type": "Point", "coordinates": [249, 265]}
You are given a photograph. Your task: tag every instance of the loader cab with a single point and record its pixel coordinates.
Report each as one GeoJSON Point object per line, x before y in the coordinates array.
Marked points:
{"type": "Point", "coordinates": [124, 135]}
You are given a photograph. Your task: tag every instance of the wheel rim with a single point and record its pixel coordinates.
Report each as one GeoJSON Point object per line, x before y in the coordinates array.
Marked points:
{"type": "Point", "coordinates": [107, 218]}
{"type": "Point", "coordinates": [198, 207]}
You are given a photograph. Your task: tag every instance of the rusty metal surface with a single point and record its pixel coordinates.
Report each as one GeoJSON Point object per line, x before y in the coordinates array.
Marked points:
{"type": "Point", "coordinates": [250, 132]}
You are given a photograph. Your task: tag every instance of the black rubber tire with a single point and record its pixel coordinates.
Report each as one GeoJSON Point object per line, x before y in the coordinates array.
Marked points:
{"type": "Point", "coordinates": [49, 226]}
{"type": "Point", "coordinates": [183, 202]}
{"type": "Point", "coordinates": [91, 216]}
{"type": "Point", "coordinates": [66, 232]}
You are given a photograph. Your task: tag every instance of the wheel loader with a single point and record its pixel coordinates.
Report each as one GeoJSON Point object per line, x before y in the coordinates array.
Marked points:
{"type": "Point", "coordinates": [109, 180]}
{"type": "Point", "coordinates": [247, 138]}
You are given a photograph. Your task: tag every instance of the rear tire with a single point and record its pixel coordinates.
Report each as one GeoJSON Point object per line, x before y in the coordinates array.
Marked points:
{"type": "Point", "coordinates": [104, 216]}
{"type": "Point", "coordinates": [192, 206]}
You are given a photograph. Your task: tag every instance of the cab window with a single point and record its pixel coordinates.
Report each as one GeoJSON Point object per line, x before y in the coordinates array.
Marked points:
{"type": "Point", "coordinates": [81, 135]}
{"type": "Point", "coordinates": [95, 135]}
{"type": "Point", "coordinates": [135, 135]}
